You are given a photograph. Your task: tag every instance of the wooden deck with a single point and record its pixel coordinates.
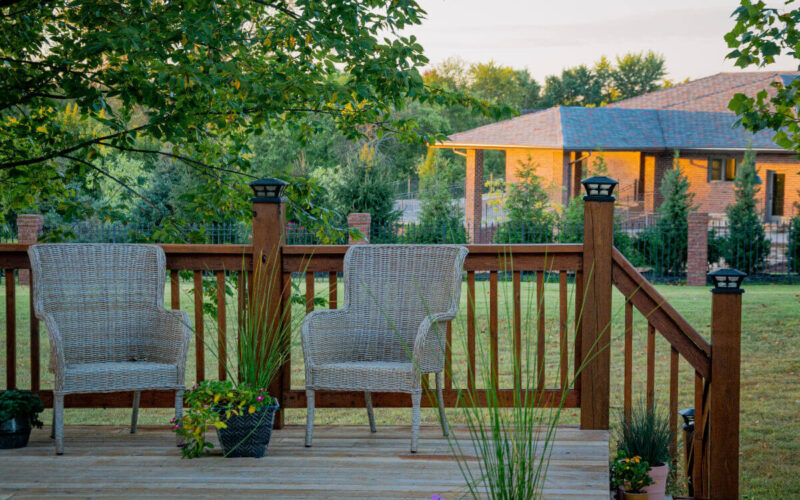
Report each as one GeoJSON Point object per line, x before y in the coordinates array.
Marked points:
{"type": "Point", "coordinates": [345, 462]}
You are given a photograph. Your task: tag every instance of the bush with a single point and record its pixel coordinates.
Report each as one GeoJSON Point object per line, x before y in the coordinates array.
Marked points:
{"type": "Point", "coordinates": [746, 246]}
{"type": "Point", "coordinates": [530, 216]}
{"type": "Point", "coordinates": [794, 244]}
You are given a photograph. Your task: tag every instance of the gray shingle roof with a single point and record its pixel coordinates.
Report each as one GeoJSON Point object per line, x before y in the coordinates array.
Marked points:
{"type": "Point", "coordinates": [621, 129]}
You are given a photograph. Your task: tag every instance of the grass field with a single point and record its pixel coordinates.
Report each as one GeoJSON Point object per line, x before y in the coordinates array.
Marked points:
{"type": "Point", "coordinates": [770, 438]}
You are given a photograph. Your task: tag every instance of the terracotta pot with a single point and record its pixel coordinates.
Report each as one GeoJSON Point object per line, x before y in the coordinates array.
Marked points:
{"type": "Point", "coordinates": [657, 490]}
{"type": "Point", "coordinates": [635, 496]}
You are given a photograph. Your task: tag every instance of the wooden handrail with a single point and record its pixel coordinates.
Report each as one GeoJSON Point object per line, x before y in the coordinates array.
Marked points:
{"type": "Point", "coordinates": [666, 320]}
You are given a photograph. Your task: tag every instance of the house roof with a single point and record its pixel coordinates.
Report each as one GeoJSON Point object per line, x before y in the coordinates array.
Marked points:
{"type": "Point", "coordinates": [712, 93]}
{"type": "Point", "coordinates": [693, 115]}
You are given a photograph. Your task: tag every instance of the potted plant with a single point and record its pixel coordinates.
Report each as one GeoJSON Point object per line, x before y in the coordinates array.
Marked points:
{"type": "Point", "coordinates": [631, 474]}
{"type": "Point", "coordinates": [647, 434]}
{"type": "Point", "coordinates": [19, 412]}
{"type": "Point", "coordinates": [242, 412]}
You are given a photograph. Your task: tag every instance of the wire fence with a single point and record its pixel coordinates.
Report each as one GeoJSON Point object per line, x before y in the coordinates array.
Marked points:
{"type": "Point", "coordinates": [765, 251]}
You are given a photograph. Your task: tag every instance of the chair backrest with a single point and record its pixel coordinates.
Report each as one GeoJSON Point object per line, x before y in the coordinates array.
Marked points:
{"type": "Point", "coordinates": [98, 295]}
{"type": "Point", "coordinates": [393, 288]}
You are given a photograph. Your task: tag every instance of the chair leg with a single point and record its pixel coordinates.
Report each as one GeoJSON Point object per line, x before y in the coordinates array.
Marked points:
{"type": "Point", "coordinates": [416, 400]}
{"type": "Point", "coordinates": [442, 416]}
{"type": "Point", "coordinates": [309, 416]}
{"type": "Point", "coordinates": [137, 396]}
{"type": "Point", "coordinates": [58, 422]}
{"type": "Point", "coordinates": [370, 413]}
{"type": "Point", "coordinates": [178, 413]}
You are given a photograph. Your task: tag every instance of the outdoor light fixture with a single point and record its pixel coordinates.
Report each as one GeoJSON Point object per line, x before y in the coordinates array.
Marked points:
{"type": "Point", "coordinates": [268, 190]}
{"type": "Point", "coordinates": [727, 281]}
{"type": "Point", "coordinates": [599, 188]}
{"type": "Point", "coordinates": [758, 180]}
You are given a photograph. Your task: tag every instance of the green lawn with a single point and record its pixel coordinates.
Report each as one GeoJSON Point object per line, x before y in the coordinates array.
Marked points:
{"type": "Point", "coordinates": [770, 369]}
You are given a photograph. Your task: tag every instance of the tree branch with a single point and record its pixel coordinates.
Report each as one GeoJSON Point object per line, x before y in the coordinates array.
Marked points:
{"type": "Point", "coordinates": [105, 173]}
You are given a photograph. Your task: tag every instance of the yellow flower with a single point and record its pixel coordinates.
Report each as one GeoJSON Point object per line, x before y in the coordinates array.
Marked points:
{"type": "Point", "coordinates": [252, 409]}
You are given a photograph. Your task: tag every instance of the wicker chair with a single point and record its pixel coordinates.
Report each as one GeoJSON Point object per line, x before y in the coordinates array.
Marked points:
{"type": "Point", "coordinates": [397, 302]}
{"type": "Point", "coordinates": [102, 305]}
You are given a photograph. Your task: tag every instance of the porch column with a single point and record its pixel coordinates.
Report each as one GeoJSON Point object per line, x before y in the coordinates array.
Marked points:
{"type": "Point", "coordinates": [566, 177]}
{"type": "Point", "coordinates": [269, 235]}
{"type": "Point", "coordinates": [472, 193]}
{"type": "Point", "coordinates": [598, 242]}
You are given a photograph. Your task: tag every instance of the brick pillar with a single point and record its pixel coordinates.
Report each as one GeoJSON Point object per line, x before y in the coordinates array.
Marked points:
{"type": "Point", "coordinates": [472, 192]}
{"type": "Point", "coordinates": [28, 228]}
{"type": "Point", "coordinates": [697, 258]}
{"type": "Point", "coordinates": [362, 222]}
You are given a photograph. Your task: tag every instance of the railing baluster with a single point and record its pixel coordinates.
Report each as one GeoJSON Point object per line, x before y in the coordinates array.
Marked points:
{"type": "Point", "coordinates": [540, 354]}
{"type": "Point", "coordinates": [222, 327]}
{"type": "Point", "coordinates": [493, 341]}
{"type": "Point", "coordinates": [286, 292]}
{"type": "Point", "coordinates": [697, 438]}
{"type": "Point", "coordinates": [628, 366]}
{"type": "Point", "coordinates": [309, 291]}
{"type": "Point", "coordinates": [199, 344]}
{"type": "Point", "coordinates": [175, 289]}
{"type": "Point", "coordinates": [651, 364]}
{"type": "Point", "coordinates": [11, 330]}
{"type": "Point", "coordinates": [517, 280]}
{"type": "Point", "coordinates": [333, 291]}
{"type": "Point", "coordinates": [241, 292]}
{"type": "Point", "coordinates": [562, 321]}
{"type": "Point", "coordinates": [673, 400]}
{"type": "Point", "coordinates": [578, 327]}
{"type": "Point", "coordinates": [471, 329]}
{"type": "Point", "coordinates": [35, 350]}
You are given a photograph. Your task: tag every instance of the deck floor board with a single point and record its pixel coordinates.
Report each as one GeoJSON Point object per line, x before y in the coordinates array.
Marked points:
{"type": "Point", "coordinates": [345, 462]}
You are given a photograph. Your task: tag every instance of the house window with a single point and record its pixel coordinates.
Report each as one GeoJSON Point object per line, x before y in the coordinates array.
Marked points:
{"type": "Point", "coordinates": [722, 169]}
{"type": "Point", "coordinates": [715, 169]}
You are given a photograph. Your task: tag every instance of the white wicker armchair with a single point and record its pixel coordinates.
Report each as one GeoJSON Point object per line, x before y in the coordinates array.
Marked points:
{"type": "Point", "coordinates": [391, 330]}
{"type": "Point", "coordinates": [102, 305]}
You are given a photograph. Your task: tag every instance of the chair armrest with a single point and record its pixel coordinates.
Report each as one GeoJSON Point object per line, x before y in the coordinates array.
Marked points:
{"type": "Point", "coordinates": [325, 333]}
{"type": "Point", "coordinates": [429, 344]}
{"type": "Point", "coordinates": [171, 333]}
{"type": "Point", "coordinates": [57, 359]}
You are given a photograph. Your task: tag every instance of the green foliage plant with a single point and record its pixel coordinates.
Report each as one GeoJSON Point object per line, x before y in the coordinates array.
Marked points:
{"type": "Point", "coordinates": [746, 246]}
{"type": "Point", "coordinates": [664, 246]}
{"type": "Point", "coordinates": [794, 244]}
{"type": "Point", "coordinates": [531, 218]}
{"type": "Point", "coordinates": [262, 343]}
{"type": "Point", "coordinates": [630, 473]}
{"type": "Point", "coordinates": [646, 433]}
{"type": "Point", "coordinates": [15, 403]}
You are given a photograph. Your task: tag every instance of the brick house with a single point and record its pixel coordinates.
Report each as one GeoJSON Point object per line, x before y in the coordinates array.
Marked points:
{"type": "Point", "coordinates": [637, 138]}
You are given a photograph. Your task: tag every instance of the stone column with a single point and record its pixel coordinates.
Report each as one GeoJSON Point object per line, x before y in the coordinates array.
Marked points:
{"type": "Point", "coordinates": [363, 223]}
{"type": "Point", "coordinates": [697, 257]}
{"type": "Point", "coordinates": [472, 193]}
{"type": "Point", "coordinates": [28, 228]}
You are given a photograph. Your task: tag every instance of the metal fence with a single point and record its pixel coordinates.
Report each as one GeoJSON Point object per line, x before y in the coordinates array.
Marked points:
{"type": "Point", "coordinates": [96, 232]}
{"type": "Point", "coordinates": [8, 233]}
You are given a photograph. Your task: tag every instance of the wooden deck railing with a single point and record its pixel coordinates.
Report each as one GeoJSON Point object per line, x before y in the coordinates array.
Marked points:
{"type": "Point", "coordinates": [592, 268]}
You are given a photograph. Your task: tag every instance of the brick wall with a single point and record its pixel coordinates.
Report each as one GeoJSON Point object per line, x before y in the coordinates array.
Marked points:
{"type": "Point", "coordinates": [697, 263]}
{"type": "Point", "coordinates": [363, 223]}
{"type": "Point", "coordinates": [28, 228]}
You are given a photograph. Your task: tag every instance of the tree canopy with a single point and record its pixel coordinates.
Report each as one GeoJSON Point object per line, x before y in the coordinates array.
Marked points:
{"type": "Point", "coordinates": [196, 79]}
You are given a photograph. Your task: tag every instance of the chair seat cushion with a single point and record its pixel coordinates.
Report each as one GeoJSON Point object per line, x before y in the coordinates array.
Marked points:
{"type": "Point", "coordinates": [119, 376]}
{"type": "Point", "coordinates": [389, 376]}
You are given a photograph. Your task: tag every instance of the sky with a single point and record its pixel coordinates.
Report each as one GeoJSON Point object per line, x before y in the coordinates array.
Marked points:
{"type": "Point", "coordinates": [546, 36]}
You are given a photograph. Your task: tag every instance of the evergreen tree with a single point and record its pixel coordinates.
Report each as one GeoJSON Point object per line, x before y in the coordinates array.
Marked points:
{"type": "Point", "coordinates": [664, 246]}
{"type": "Point", "coordinates": [530, 217]}
{"type": "Point", "coordinates": [746, 246]}
{"type": "Point", "coordinates": [441, 218]}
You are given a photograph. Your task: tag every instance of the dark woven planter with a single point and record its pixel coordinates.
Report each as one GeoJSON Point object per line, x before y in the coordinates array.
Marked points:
{"type": "Point", "coordinates": [248, 435]}
{"type": "Point", "coordinates": [14, 433]}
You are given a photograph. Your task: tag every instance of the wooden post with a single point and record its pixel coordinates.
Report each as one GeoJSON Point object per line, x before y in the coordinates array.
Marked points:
{"type": "Point", "coordinates": [726, 341]}
{"type": "Point", "coordinates": [269, 235]}
{"type": "Point", "coordinates": [598, 241]}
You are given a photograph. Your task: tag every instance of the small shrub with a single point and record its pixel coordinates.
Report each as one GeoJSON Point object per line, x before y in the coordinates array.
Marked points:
{"type": "Point", "coordinates": [647, 434]}
{"type": "Point", "coordinates": [14, 403]}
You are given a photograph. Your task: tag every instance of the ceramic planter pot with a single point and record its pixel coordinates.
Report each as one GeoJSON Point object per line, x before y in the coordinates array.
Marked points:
{"type": "Point", "coordinates": [248, 435]}
{"type": "Point", "coordinates": [15, 432]}
{"type": "Point", "coordinates": [657, 490]}
{"type": "Point", "coordinates": [636, 496]}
